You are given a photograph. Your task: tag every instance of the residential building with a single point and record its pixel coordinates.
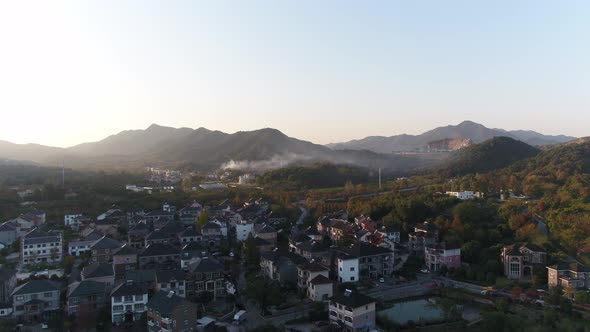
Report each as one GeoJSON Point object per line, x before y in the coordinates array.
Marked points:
{"type": "Point", "coordinates": [109, 226]}
{"type": "Point", "coordinates": [243, 230]}
{"type": "Point", "coordinates": [347, 267]}
{"type": "Point", "coordinates": [189, 214]}
{"type": "Point", "coordinates": [168, 312]}
{"type": "Point", "coordinates": [82, 246]}
{"type": "Point", "coordinates": [160, 256]}
{"type": "Point", "coordinates": [311, 249]}
{"type": "Point", "coordinates": [34, 300]}
{"type": "Point", "coordinates": [86, 296]}
{"type": "Point", "coordinates": [124, 259]}
{"type": "Point", "coordinates": [128, 302]}
{"type": "Point", "coordinates": [313, 278]}
{"type": "Point", "coordinates": [99, 272]}
{"type": "Point", "coordinates": [146, 278]}
{"type": "Point", "coordinates": [189, 235]}
{"type": "Point", "coordinates": [352, 311]}
{"type": "Point", "coordinates": [266, 232]}
{"type": "Point", "coordinates": [102, 250]}
{"type": "Point", "coordinates": [7, 284]}
{"type": "Point", "coordinates": [206, 275]}
{"type": "Point", "coordinates": [565, 275]}
{"type": "Point", "coordinates": [465, 195]}
{"type": "Point", "coordinates": [152, 216]}
{"type": "Point", "coordinates": [171, 281]}
{"type": "Point", "coordinates": [373, 261]}
{"type": "Point", "coordinates": [424, 234]}
{"type": "Point", "coordinates": [41, 247]}
{"type": "Point", "coordinates": [70, 219]}
{"type": "Point", "coordinates": [442, 254]}
{"type": "Point", "coordinates": [8, 233]}
{"type": "Point", "coordinates": [137, 234]}
{"type": "Point", "coordinates": [280, 266]}
{"type": "Point", "coordinates": [520, 260]}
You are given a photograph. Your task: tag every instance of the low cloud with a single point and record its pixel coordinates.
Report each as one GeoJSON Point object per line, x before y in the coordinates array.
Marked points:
{"type": "Point", "coordinates": [274, 162]}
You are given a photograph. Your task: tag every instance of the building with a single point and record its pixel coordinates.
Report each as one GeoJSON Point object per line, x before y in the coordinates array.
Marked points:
{"type": "Point", "coordinates": [373, 261]}
{"type": "Point", "coordinates": [39, 247]}
{"type": "Point", "coordinates": [280, 266]}
{"type": "Point", "coordinates": [34, 300]}
{"type": "Point", "coordinates": [206, 275]}
{"type": "Point", "coordinates": [168, 312]}
{"type": "Point", "coordinates": [311, 249]}
{"type": "Point", "coordinates": [189, 214]}
{"type": "Point", "coordinates": [352, 311]}
{"type": "Point", "coordinates": [266, 232]}
{"type": "Point", "coordinates": [124, 259]}
{"type": "Point", "coordinates": [243, 230]}
{"type": "Point", "coordinates": [146, 278]}
{"type": "Point", "coordinates": [314, 280]}
{"type": "Point", "coordinates": [520, 260]}
{"type": "Point", "coordinates": [70, 219]}
{"type": "Point", "coordinates": [347, 268]}
{"type": "Point", "coordinates": [102, 250]}
{"type": "Point", "coordinates": [565, 275]}
{"type": "Point", "coordinates": [189, 235]}
{"type": "Point", "coordinates": [7, 284]}
{"type": "Point", "coordinates": [171, 281]}
{"type": "Point", "coordinates": [465, 195]}
{"type": "Point", "coordinates": [160, 256]}
{"type": "Point", "coordinates": [441, 254]}
{"type": "Point", "coordinates": [128, 302]}
{"type": "Point", "coordinates": [425, 234]}
{"type": "Point", "coordinates": [82, 246]}
{"type": "Point", "coordinates": [86, 296]}
{"type": "Point", "coordinates": [137, 234]}
{"type": "Point", "coordinates": [99, 272]}
{"type": "Point", "coordinates": [109, 226]}
{"type": "Point", "coordinates": [8, 233]}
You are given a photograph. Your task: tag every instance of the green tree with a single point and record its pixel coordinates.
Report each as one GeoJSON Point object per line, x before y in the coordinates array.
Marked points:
{"type": "Point", "coordinates": [202, 220]}
{"type": "Point", "coordinates": [251, 253]}
{"type": "Point", "coordinates": [264, 293]}
{"type": "Point", "coordinates": [187, 184]}
{"type": "Point", "coordinates": [582, 296]}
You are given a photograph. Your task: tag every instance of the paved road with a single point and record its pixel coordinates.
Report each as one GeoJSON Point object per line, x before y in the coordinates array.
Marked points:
{"type": "Point", "coordinates": [302, 216]}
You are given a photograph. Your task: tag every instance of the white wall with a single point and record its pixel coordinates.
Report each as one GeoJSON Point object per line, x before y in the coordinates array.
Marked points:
{"type": "Point", "coordinates": [348, 270]}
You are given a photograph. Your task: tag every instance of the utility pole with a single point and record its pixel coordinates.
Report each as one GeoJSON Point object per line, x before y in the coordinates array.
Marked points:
{"type": "Point", "coordinates": [379, 178]}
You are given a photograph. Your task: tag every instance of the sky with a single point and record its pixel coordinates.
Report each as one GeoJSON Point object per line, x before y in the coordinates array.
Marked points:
{"type": "Point", "coordinates": [323, 71]}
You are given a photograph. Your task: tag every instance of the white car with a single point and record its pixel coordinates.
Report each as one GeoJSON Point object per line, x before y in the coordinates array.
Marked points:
{"type": "Point", "coordinates": [424, 271]}
{"type": "Point", "coordinates": [381, 280]}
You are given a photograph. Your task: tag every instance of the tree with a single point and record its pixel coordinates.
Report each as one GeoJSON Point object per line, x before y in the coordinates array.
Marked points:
{"type": "Point", "coordinates": [264, 293]}
{"type": "Point", "coordinates": [202, 220]}
{"type": "Point", "coordinates": [502, 305]}
{"type": "Point", "coordinates": [67, 263]}
{"type": "Point", "coordinates": [569, 292]}
{"type": "Point", "coordinates": [251, 253]}
{"type": "Point", "coordinates": [582, 296]}
{"type": "Point", "coordinates": [187, 184]}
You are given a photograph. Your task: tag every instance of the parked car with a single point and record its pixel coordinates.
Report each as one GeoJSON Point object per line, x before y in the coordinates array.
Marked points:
{"type": "Point", "coordinates": [424, 271]}
{"type": "Point", "coordinates": [381, 280]}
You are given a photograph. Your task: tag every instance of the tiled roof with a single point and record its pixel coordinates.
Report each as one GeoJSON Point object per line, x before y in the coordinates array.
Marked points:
{"type": "Point", "coordinates": [362, 249]}
{"type": "Point", "coordinates": [159, 249]}
{"type": "Point", "coordinates": [106, 243]}
{"type": "Point", "coordinates": [125, 250]}
{"type": "Point", "coordinates": [168, 275]}
{"type": "Point", "coordinates": [320, 280]}
{"type": "Point", "coordinates": [352, 299]}
{"type": "Point", "coordinates": [36, 286]}
{"type": "Point", "coordinates": [164, 303]}
{"type": "Point", "coordinates": [206, 265]}
{"type": "Point", "coordinates": [129, 288]}
{"type": "Point", "coordinates": [141, 276]}
{"type": "Point", "coordinates": [98, 270]}
{"type": "Point", "coordinates": [87, 288]}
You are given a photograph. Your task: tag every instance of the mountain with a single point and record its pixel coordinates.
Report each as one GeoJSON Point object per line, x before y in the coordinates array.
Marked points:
{"type": "Point", "coordinates": [203, 149]}
{"type": "Point", "coordinates": [495, 153]}
{"type": "Point", "coordinates": [475, 132]}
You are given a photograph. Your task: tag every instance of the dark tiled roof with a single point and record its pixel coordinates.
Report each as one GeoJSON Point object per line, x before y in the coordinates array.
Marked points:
{"type": "Point", "coordinates": [156, 235]}
{"type": "Point", "coordinates": [264, 229]}
{"type": "Point", "coordinates": [98, 271]}
{"type": "Point", "coordinates": [125, 250]}
{"type": "Point", "coordinates": [87, 288]}
{"type": "Point", "coordinates": [106, 243]}
{"type": "Point", "coordinates": [189, 232]}
{"type": "Point", "coordinates": [6, 274]}
{"type": "Point", "coordinates": [159, 249]}
{"type": "Point", "coordinates": [312, 267]}
{"type": "Point", "coordinates": [37, 236]}
{"type": "Point", "coordinates": [167, 275]}
{"type": "Point", "coordinates": [443, 246]}
{"type": "Point", "coordinates": [574, 267]}
{"type": "Point", "coordinates": [37, 286]}
{"type": "Point", "coordinates": [108, 222]}
{"type": "Point", "coordinates": [164, 303]}
{"type": "Point", "coordinates": [206, 265]}
{"type": "Point", "coordinates": [141, 276]}
{"type": "Point", "coordinates": [362, 249]}
{"type": "Point", "coordinates": [129, 288]}
{"type": "Point", "coordinates": [93, 236]}
{"type": "Point", "coordinates": [352, 299]}
{"type": "Point", "coordinates": [312, 246]}
{"type": "Point", "coordinates": [320, 280]}
{"type": "Point", "coordinates": [260, 242]}
{"type": "Point", "coordinates": [211, 225]}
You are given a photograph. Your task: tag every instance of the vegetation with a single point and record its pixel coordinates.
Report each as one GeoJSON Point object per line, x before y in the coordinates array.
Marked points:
{"type": "Point", "coordinates": [320, 175]}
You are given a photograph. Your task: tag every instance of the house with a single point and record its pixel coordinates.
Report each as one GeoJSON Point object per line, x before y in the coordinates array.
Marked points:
{"type": "Point", "coordinates": [102, 250]}
{"type": "Point", "coordinates": [136, 219]}
{"type": "Point", "coordinates": [82, 246]}
{"type": "Point", "coordinates": [8, 232]}
{"type": "Point", "coordinates": [7, 284]}
{"type": "Point", "coordinates": [188, 214]}
{"type": "Point", "coordinates": [311, 249]}
{"type": "Point", "coordinates": [347, 267]}
{"type": "Point", "coordinates": [70, 219]}
{"type": "Point", "coordinates": [391, 233]}
{"type": "Point", "coordinates": [206, 275]}
{"type": "Point", "coordinates": [565, 275]}
{"type": "Point", "coordinates": [168, 312]}
{"type": "Point", "coordinates": [135, 211]}
{"type": "Point", "coordinates": [243, 230]}
{"type": "Point", "coordinates": [34, 217]}
{"type": "Point", "coordinates": [519, 261]}
{"type": "Point", "coordinates": [41, 247]}
{"type": "Point", "coordinates": [156, 237]}
{"type": "Point", "coordinates": [86, 296]}
{"type": "Point", "coordinates": [171, 281]}
{"type": "Point", "coordinates": [266, 232]}
{"type": "Point", "coordinates": [137, 234]}
{"type": "Point", "coordinates": [124, 259]}
{"type": "Point", "coordinates": [192, 252]}
{"type": "Point", "coordinates": [99, 272]}
{"type": "Point", "coordinates": [465, 195]}
{"type": "Point", "coordinates": [189, 235]}
{"type": "Point", "coordinates": [128, 302]}
{"type": "Point", "coordinates": [313, 278]}
{"type": "Point", "coordinates": [212, 234]}
{"type": "Point", "coordinates": [280, 266]}
{"type": "Point", "coordinates": [114, 212]}
{"type": "Point", "coordinates": [366, 223]}
{"type": "Point", "coordinates": [373, 261]}
{"type": "Point", "coordinates": [424, 234]}
{"type": "Point", "coordinates": [108, 226]}
{"type": "Point", "coordinates": [160, 256]}
{"type": "Point", "coordinates": [146, 278]}
{"type": "Point", "coordinates": [161, 215]}
{"type": "Point", "coordinates": [442, 254]}
{"type": "Point", "coordinates": [34, 300]}
{"type": "Point", "coordinates": [352, 311]}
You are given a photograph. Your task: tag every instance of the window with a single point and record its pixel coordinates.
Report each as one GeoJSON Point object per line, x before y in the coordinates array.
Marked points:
{"type": "Point", "coordinates": [128, 298]}
{"type": "Point", "coordinates": [348, 319]}
{"type": "Point", "coordinates": [351, 278]}
{"type": "Point", "coordinates": [138, 297]}
{"type": "Point", "coordinates": [20, 298]}
{"type": "Point", "coordinates": [352, 269]}
{"type": "Point", "coordinates": [117, 308]}
{"type": "Point", "coordinates": [515, 269]}
{"type": "Point", "coordinates": [117, 299]}
{"type": "Point", "coordinates": [48, 294]}
{"type": "Point", "coordinates": [138, 307]}
{"type": "Point", "coordinates": [333, 313]}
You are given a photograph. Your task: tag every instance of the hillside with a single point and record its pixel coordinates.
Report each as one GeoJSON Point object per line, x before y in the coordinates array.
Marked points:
{"type": "Point", "coordinates": [495, 153]}
{"type": "Point", "coordinates": [475, 132]}
{"type": "Point", "coordinates": [321, 175]}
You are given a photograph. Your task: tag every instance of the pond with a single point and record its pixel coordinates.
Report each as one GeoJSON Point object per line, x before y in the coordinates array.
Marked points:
{"type": "Point", "coordinates": [414, 310]}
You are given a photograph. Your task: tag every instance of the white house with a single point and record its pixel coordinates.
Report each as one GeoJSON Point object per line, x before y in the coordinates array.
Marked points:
{"type": "Point", "coordinates": [243, 230]}
{"type": "Point", "coordinates": [348, 268]}
{"type": "Point", "coordinates": [128, 302]}
{"type": "Point", "coordinates": [465, 195]}
{"type": "Point", "coordinates": [41, 247]}
{"type": "Point", "coordinates": [70, 218]}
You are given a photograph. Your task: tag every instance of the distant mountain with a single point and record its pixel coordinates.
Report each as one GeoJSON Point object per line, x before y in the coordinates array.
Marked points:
{"type": "Point", "coordinates": [205, 150]}
{"type": "Point", "coordinates": [475, 132]}
{"type": "Point", "coordinates": [495, 153]}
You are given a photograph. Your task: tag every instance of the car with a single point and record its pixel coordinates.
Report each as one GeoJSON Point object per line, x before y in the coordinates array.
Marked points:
{"type": "Point", "coordinates": [44, 326]}
{"type": "Point", "coordinates": [381, 280]}
{"type": "Point", "coordinates": [424, 271]}
{"type": "Point", "coordinates": [231, 254]}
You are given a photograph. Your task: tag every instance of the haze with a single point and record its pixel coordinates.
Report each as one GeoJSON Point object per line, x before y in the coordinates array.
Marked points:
{"type": "Point", "coordinates": [327, 71]}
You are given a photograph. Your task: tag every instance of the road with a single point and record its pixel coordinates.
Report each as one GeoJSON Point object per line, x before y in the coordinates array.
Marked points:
{"type": "Point", "coordinates": [302, 216]}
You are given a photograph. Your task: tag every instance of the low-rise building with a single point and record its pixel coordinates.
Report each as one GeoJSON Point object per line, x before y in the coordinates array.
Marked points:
{"type": "Point", "coordinates": [34, 300]}
{"type": "Point", "coordinates": [206, 275]}
{"type": "Point", "coordinates": [171, 281]}
{"type": "Point", "coordinates": [441, 254]}
{"type": "Point", "coordinates": [168, 312]}
{"type": "Point", "coordinates": [313, 278]}
{"type": "Point", "coordinates": [7, 284]}
{"type": "Point", "coordinates": [137, 234]}
{"type": "Point", "coordinates": [352, 311]}
{"type": "Point", "coordinates": [347, 268]}
{"type": "Point", "coordinates": [102, 250]}
{"type": "Point", "coordinates": [124, 259]}
{"type": "Point", "coordinates": [280, 266]}
{"type": "Point", "coordinates": [99, 272]}
{"type": "Point", "coordinates": [373, 261]}
{"type": "Point", "coordinates": [70, 219]}
{"type": "Point", "coordinates": [160, 256]}
{"type": "Point", "coordinates": [82, 245]}
{"type": "Point", "coordinates": [243, 230]}
{"type": "Point", "coordinates": [565, 275]}
{"type": "Point", "coordinates": [519, 261]}
{"type": "Point", "coordinates": [86, 296]}
{"type": "Point", "coordinates": [39, 247]}
{"type": "Point", "coordinates": [128, 302]}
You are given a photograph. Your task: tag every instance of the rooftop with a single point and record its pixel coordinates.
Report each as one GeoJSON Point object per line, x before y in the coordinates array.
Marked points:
{"type": "Point", "coordinates": [352, 298]}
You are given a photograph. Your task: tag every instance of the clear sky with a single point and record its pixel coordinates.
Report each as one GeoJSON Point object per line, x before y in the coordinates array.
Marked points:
{"type": "Point", "coordinates": [323, 71]}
